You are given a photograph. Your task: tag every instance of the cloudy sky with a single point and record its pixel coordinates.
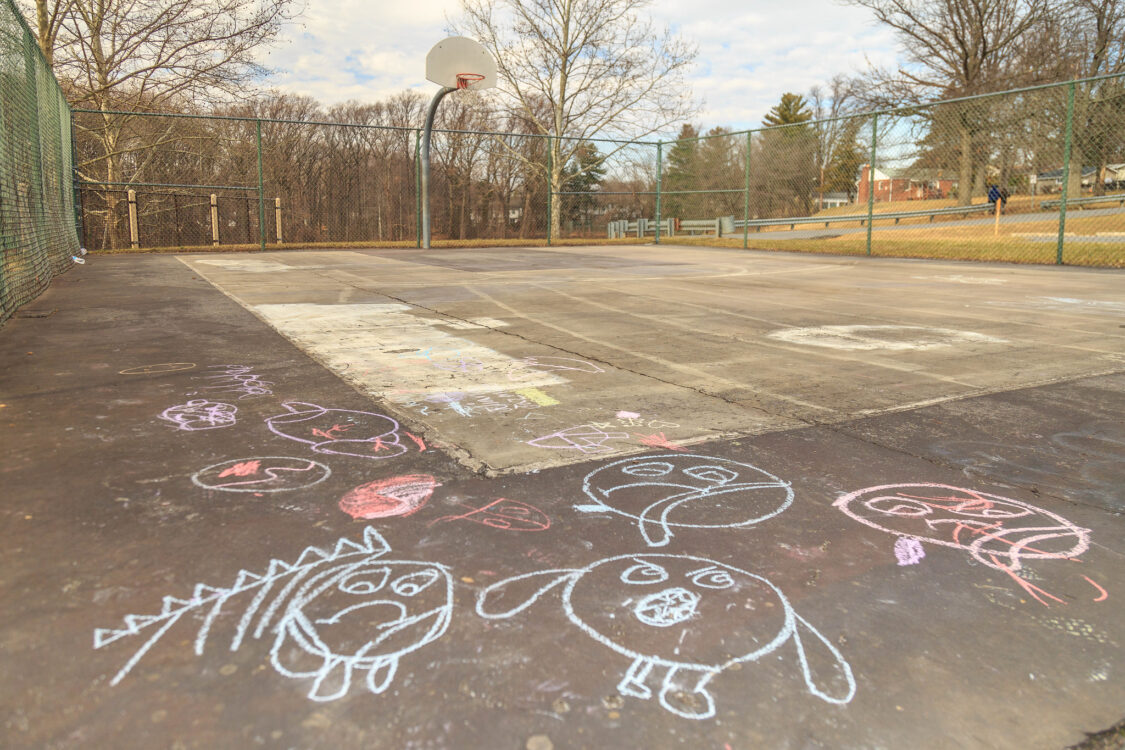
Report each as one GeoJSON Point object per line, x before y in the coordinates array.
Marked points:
{"type": "Point", "coordinates": [749, 52]}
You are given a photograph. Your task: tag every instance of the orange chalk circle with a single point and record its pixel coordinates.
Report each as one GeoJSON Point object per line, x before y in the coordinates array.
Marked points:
{"type": "Point", "coordinates": [383, 498]}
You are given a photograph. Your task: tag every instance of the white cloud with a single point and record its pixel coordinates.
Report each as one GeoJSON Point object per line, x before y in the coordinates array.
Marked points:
{"type": "Point", "coordinates": [748, 56]}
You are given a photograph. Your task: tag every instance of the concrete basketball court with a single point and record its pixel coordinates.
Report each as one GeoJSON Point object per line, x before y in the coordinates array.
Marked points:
{"type": "Point", "coordinates": [563, 497]}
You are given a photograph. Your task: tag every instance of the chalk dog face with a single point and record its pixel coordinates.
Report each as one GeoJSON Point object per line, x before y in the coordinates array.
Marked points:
{"type": "Point", "coordinates": [678, 490]}
{"type": "Point", "coordinates": [992, 528]}
{"type": "Point", "coordinates": [338, 431]}
{"type": "Point", "coordinates": [363, 616]}
{"type": "Point", "coordinates": [330, 614]}
{"type": "Point", "coordinates": [664, 613]}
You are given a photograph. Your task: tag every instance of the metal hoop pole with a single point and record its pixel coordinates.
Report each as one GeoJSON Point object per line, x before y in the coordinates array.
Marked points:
{"type": "Point", "coordinates": [426, 163]}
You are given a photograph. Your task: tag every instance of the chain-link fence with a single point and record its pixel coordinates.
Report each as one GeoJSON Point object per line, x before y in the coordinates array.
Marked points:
{"type": "Point", "coordinates": [1034, 175]}
{"type": "Point", "coordinates": [37, 218]}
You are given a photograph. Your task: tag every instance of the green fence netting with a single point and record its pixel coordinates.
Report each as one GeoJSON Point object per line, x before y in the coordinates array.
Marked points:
{"type": "Point", "coordinates": [38, 235]}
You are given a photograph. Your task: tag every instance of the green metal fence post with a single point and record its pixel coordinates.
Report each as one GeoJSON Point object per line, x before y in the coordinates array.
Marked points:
{"type": "Point", "coordinates": [659, 160]}
{"type": "Point", "coordinates": [1066, 172]}
{"type": "Point", "coordinates": [871, 178]}
{"type": "Point", "coordinates": [550, 172]}
{"type": "Point", "coordinates": [79, 227]}
{"type": "Point", "coordinates": [746, 195]}
{"type": "Point", "coordinates": [417, 188]}
{"type": "Point", "coordinates": [261, 195]}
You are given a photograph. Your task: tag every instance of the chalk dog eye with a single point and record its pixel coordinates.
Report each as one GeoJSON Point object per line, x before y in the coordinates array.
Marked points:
{"type": "Point", "coordinates": [714, 474]}
{"type": "Point", "coordinates": [893, 505]}
{"type": "Point", "coordinates": [650, 470]}
{"type": "Point", "coordinates": [644, 572]}
{"type": "Point", "coordinates": [712, 578]}
{"type": "Point", "coordinates": [364, 582]}
{"type": "Point", "coordinates": [409, 585]}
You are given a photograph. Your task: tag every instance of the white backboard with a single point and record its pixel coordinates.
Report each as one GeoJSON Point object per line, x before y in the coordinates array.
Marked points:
{"type": "Point", "coordinates": [459, 54]}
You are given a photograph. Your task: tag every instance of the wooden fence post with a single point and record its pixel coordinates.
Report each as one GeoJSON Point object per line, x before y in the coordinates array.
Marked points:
{"type": "Point", "coordinates": [214, 220]}
{"type": "Point", "coordinates": [277, 217]}
{"type": "Point", "coordinates": [134, 233]}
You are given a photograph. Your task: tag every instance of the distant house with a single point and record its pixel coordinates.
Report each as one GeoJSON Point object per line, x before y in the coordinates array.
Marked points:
{"type": "Point", "coordinates": [1051, 182]}
{"type": "Point", "coordinates": [905, 184]}
{"type": "Point", "coordinates": [833, 200]}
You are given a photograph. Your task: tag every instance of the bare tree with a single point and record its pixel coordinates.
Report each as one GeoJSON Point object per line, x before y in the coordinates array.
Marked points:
{"type": "Point", "coordinates": [148, 55]}
{"type": "Point", "coordinates": [956, 48]}
{"type": "Point", "coordinates": [599, 66]}
{"type": "Point", "coordinates": [830, 105]}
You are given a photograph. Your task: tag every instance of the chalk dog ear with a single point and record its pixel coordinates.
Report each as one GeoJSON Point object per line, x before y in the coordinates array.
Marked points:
{"type": "Point", "coordinates": [826, 674]}
{"type": "Point", "coordinates": [520, 592]}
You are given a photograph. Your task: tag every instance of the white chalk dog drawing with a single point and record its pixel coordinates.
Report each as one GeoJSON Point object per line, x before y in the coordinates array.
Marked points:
{"type": "Point", "coordinates": [665, 612]}
{"type": "Point", "coordinates": [343, 432]}
{"type": "Point", "coordinates": [330, 614]}
{"type": "Point", "coordinates": [652, 490]}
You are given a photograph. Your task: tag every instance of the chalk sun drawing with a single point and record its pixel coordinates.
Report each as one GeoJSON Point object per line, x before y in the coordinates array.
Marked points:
{"type": "Point", "coordinates": [338, 431]}
{"type": "Point", "coordinates": [662, 612]}
{"type": "Point", "coordinates": [331, 615]}
{"type": "Point", "coordinates": [259, 474]}
{"type": "Point", "coordinates": [686, 487]}
{"type": "Point", "coordinates": [200, 414]}
{"type": "Point", "coordinates": [397, 496]}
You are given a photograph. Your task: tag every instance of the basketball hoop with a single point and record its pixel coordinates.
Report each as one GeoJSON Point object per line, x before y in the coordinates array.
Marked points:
{"type": "Point", "coordinates": [465, 80]}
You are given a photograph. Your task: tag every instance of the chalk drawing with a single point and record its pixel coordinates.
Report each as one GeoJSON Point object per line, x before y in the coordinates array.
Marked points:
{"type": "Point", "coordinates": [659, 440]}
{"type": "Point", "coordinates": [988, 526]}
{"type": "Point", "coordinates": [398, 496]}
{"type": "Point", "coordinates": [651, 490]}
{"type": "Point", "coordinates": [628, 415]}
{"type": "Point", "coordinates": [662, 612]}
{"type": "Point", "coordinates": [259, 474]}
{"type": "Point", "coordinates": [200, 414]}
{"type": "Point", "coordinates": [909, 551]}
{"type": "Point", "coordinates": [331, 615]}
{"type": "Point", "coordinates": [236, 379]}
{"type": "Point", "coordinates": [341, 432]}
{"type": "Point", "coordinates": [582, 438]}
{"type": "Point", "coordinates": [885, 338]}
{"type": "Point", "coordinates": [549, 364]}
{"type": "Point", "coordinates": [157, 369]}
{"type": "Point", "coordinates": [509, 515]}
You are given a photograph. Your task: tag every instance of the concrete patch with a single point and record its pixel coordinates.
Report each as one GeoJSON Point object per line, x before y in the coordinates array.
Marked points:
{"type": "Point", "coordinates": [886, 338]}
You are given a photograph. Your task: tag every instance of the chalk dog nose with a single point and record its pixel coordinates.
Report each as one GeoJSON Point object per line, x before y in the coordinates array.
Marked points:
{"type": "Point", "coordinates": [666, 608]}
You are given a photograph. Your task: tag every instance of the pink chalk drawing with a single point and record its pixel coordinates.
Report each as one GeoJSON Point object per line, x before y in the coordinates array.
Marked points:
{"type": "Point", "coordinates": [658, 440]}
{"type": "Point", "coordinates": [236, 379]}
{"type": "Point", "coordinates": [241, 469]}
{"type": "Point", "coordinates": [628, 415]}
{"type": "Point", "coordinates": [383, 498]}
{"type": "Point", "coordinates": [344, 432]}
{"type": "Point", "coordinates": [583, 438]}
{"type": "Point", "coordinates": [909, 551]}
{"type": "Point", "coordinates": [508, 515]}
{"type": "Point", "coordinates": [996, 531]}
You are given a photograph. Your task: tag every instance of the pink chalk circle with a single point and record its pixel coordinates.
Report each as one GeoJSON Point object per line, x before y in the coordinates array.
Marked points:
{"type": "Point", "coordinates": [383, 498]}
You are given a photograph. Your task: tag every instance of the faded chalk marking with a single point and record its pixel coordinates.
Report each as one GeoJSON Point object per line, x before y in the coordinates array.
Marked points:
{"type": "Point", "coordinates": [157, 369]}
{"type": "Point", "coordinates": [665, 623]}
{"type": "Point", "coordinates": [885, 338]}
{"type": "Point", "coordinates": [537, 396]}
{"type": "Point", "coordinates": [200, 414]}
{"type": "Point", "coordinates": [509, 515]}
{"type": "Point", "coordinates": [345, 432]}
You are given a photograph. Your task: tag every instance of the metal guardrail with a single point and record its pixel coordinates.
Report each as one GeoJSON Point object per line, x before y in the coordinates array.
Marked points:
{"type": "Point", "coordinates": [639, 228]}
{"type": "Point", "coordinates": [1119, 198]}
{"type": "Point", "coordinates": [793, 221]}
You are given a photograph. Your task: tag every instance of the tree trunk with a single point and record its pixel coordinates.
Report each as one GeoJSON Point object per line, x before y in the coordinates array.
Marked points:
{"type": "Point", "coordinates": [965, 167]}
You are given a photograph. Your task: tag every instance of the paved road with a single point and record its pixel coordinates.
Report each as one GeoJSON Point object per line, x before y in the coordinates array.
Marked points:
{"type": "Point", "coordinates": [214, 538]}
{"type": "Point", "coordinates": [1009, 219]}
